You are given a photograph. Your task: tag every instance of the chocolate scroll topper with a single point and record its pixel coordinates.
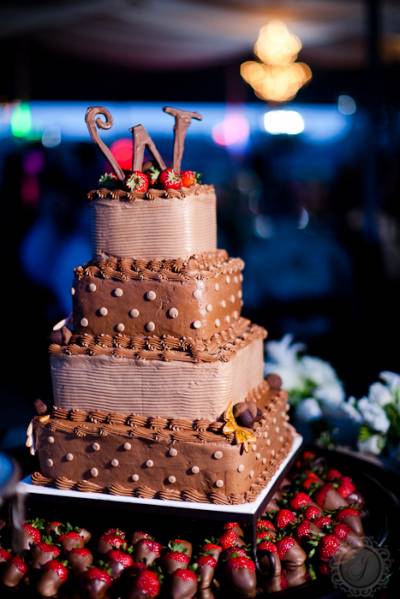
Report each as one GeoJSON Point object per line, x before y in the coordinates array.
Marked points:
{"type": "Point", "coordinates": [94, 122]}
{"type": "Point", "coordinates": [141, 139]}
{"type": "Point", "coordinates": [183, 119]}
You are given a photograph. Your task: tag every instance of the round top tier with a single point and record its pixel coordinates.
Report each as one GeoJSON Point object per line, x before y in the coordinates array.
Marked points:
{"type": "Point", "coordinates": [159, 224]}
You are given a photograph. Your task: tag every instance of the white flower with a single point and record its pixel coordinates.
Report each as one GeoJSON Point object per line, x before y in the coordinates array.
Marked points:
{"type": "Point", "coordinates": [308, 410]}
{"type": "Point", "coordinates": [282, 352]}
{"type": "Point", "coordinates": [391, 379]}
{"type": "Point", "coordinates": [290, 375]}
{"type": "Point", "coordinates": [374, 415]}
{"type": "Point", "coordinates": [330, 393]}
{"type": "Point", "coordinates": [373, 444]}
{"type": "Point", "coordinates": [350, 410]}
{"type": "Point", "coordinates": [318, 371]}
{"type": "Point", "coordinates": [380, 394]}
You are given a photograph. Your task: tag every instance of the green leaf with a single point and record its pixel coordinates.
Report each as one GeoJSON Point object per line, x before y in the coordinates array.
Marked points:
{"type": "Point", "coordinates": [364, 433]}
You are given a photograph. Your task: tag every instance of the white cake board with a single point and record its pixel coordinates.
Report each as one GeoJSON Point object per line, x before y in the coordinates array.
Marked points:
{"type": "Point", "coordinates": [185, 507]}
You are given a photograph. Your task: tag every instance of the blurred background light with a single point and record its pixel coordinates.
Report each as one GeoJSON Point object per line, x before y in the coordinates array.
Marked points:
{"type": "Point", "coordinates": [122, 150]}
{"type": "Point", "coordinates": [51, 137]}
{"type": "Point", "coordinates": [21, 120]}
{"type": "Point", "coordinates": [278, 122]}
{"type": "Point", "coordinates": [346, 105]}
{"type": "Point", "coordinates": [233, 130]}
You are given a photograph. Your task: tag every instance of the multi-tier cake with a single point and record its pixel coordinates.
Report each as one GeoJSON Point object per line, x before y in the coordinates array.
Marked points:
{"type": "Point", "coordinates": [157, 378]}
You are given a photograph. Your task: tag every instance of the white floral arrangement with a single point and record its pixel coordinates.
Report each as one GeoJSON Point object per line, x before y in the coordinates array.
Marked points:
{"type": "Point", "coordinates": [320, 407]}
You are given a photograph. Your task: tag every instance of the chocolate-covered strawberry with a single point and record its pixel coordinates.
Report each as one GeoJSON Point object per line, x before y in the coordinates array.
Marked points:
{"type": "Point", "coordinates": [285, 518]}
{"type": "Point", "coordinates": [312, 512]}
{"type": "Point", "coordinates": [43, 553]}
{"type": "Point", "coordinates": [265, 525]}
{"type": "Point", "coordinates": [240, 575]}
{"type": "Point", "coordinates": [183, 584]}
{"type": "Point", "coordinates": [182, 546]}
{"type": "Point", "coordinates": [80, 558]}
{"type": "Point", "coordinates": [14, 571]}
{"type": "Point", "coordinates": [30, 536]}
{"type": "Point", "coordinates": [147, 550]}
{"type": "Point", "coordinates": [296, 576]}
{"type": "Point", "coordinates": [71, 540]}
{"type": "Point", "coordinates": [290, 552]}
{"type": "Point", "coordinates": [312, 481]}
{"type": "Point", "coordinates": [324, 522]}
{"type": "Point", "coordinates": [55, 574]}
{"type": "Point", "coordinates": [268, 559]}
{"type": "Point", "coordinates": [330, 546]}
{"type": "Point", "coordinates": [233, 552]}
{"type": "Point", "coordinates": [146, 585]}
{"type": "Point", "coordinates": [173, 560]}
{"type": "Point", "coordinates": [118, 561]}
{"type": "Point", "coordinates": [211, 549]}
{"type": "Point", "coordinates": [235, 527]}
{"type": "Point", "coordinates": [352, 518]}
{"type": "Point", "coordinates": [84, 533]}
{"type": "Point", "coordinates": [5, 555]}
{"type": "Point", "coordinates": [206, 569]}
{"type": "Point", "coordinates": [138, 535]}
{"type": "Point", "coordinates": [111, 539]}
{"type": "Point", "coordinates": [230, 538]}
{"type": "Point", "coordinates": [54, 527]}
{"type": "Point", "coordinates": [343, 532]}
{"type": "Point", "coordinates": [96, 582]}
{"type": "Point", "coordinates": [328, 498]}
{"type": "Point", "coordinates": [307, 530]}
{"type": "Point", "coordinates": [300, 501]}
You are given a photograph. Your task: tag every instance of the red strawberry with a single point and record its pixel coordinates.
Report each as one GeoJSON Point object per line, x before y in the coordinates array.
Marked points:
{"type": "Point", "coordinates": [328, 498]}
{"type": "Point", "coordinates": [138, 182]}
{"type": "Point", "coordinates": [147, 550]}
{"type": "Point", "coordinates": [14, 572]}
{"type": "Point", "coordinates": [118, 561]}
{"type": "Point", "coordinates": [138, 535]}
{"type": "Point", "coordinates": [206, 569]}
{"type": "Point", "coordinates": [346, 487]}
{"type": "Point", "coordinates": [312, 512]}
{"type": "Point", "coordinates": [333, 474]}
{"type": "Point", "coordinates": [234, 526]}
{"type": "Point", "coordinates": [170, 179]}
{"type": "Point", "coordinates": [96, 582]}
{"type": "Point", "coordinates": [145, 586]}
{"type": "Point", "coordinates": [267, 546]}
{"type": "Point", "coordinates": [311, 481]}
{"type": "Point", "coordinates": [300, 500]}
{"type": "Point", "coordinates": [43, 553]}
{"type": "Point", "coordinates": [284, 518]}
{"type": "Point", "coordinates": [183, 584]}
{"type": "Point", "coordinates": [182, 546]}
{"type": "Point", "coordinates": [4, 555]}
{"type": "Point", "coordinates": [289, 551]}
{"type": "Point", "coordinates": [233, 552]}
{"type": "Point", "coordinates": [268, 559]}
{"type": "Point", "coordinates": [31, 535]}
{"type": "Point", "coordinates": [351, 517]}
{"type": "Point", "coordinates": [116, 531]}
{"type": "Point", "coordinates": [345, 533]}
{"type": "Point", "coordinates": [265, 525]}
{"type": "Point", "coordinates": [329, 546]}
{"type": "Point", "coordinates": [212, 549]}
{"type": "Point", "coordinates": [55, 574]}
{"type": "Point", "coordinates": [110, 540]}
{"type": "Point", "coordinates": [70, 540]}
{"type": "Point", "coordinates": [230, 538]}
{"type": "Point", "coordinates": [265, 535]}
{"type": "Point", "coordinates": [307, 529]}
{"type": "Point", "coordinates": [323, 521]}
{"type": "Point", "coordinates": [241, 575]}
{"type": "Point", "coordinates": [80, 559]}
{"type": "Point", "coordinates": [173, 560]}
{"type": "Point", "coordinates": [189, 178]}
{"type": "Point", "coordinates": [309, 456]}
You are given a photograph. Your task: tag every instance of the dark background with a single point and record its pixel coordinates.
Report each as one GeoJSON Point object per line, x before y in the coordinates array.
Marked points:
{"type": "Point", "coordinates": [315, 217]}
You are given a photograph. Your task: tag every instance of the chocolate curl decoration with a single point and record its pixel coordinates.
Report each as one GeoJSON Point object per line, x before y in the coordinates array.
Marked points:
{"type": "Point", "coordinates": [183, 119]}
{"type": "Point", "coordinates": [141, 139]}
{"type": "Point", "coordinates": [94, 122]}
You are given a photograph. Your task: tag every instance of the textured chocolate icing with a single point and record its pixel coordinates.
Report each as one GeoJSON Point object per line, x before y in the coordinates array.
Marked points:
{"type": "Point", "coordinates": [174, 463]}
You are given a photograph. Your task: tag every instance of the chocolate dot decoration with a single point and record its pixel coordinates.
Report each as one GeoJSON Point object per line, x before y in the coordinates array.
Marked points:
{"type": "Point", "coordinates": [92, 287]}
{"type": "Point", "coordinates": [227, 318]}
{"type": "Point", "coordinates": [264, 461]}
{"type": "Point", "coordinates": [69, 457]}
{"type": "Point", "coordinates": [239, 294]}
{"type": "Point", "coordinates": [218, 455]}
{"type": "Point", "coordinates": [222, 303]}
{"type": "Point", "coordinates": [150, 326]}
{"type": "Point", "coordinates": [209, 307]}
{"type": "Point", "coordinates": [49, 462]}
{"type": "Point", "coordinates": [195, 470]}
{"type": "Point", "coordinates": [241, 278]}
{"type": "Point", "coordinates": [216, 286]}
{"type": "Point", "coordinates": [235, 279]}
{"type": "Point", "coordinates": [232, 298]}
{"type": "Point", "coordinates": [173, 313]}
{"type": "Point", "coordinates": [118, 292]}
{"type": "Point", "coordinates": [135, 477]}
{"type": "Point", "coordinates": [172, 479]}
{"type": "Point", "coordinates": [94, 472]}
{"type": "Point", "coordinates": [115, 463]}
{"type": "Point", "coordinates": [72, 290]}
{"type": "Point", "coordinates": [273, 453]}
{"type": "Point", "coordinates": [127, 446]}
{"type": "Point", "coordinates": [268, 440]}
{"type": "Point", "coordinates": [196, 324]}
{"type": "Point", "coordinates": [258, 456]}
{"type": "Point", "coordinates": [134, 313]}
{"type": "Point", "coordinates": [84, 322]}
{"type": "Point", "coordinates": [150, 296]}
{"type": "Point", "coordinates": [172, 452]}
{"type": "Point", "coordinates": [251, 473]}
{"type": "Point", "coordinates": [200, 284]}
{"type": "Point", "coordinates": [197, 294]}
{"type": "Point", "coordinates": [240, 468]}
{"type": "Point", "coordinates": [103, 311]}
{"type": "Point", "coordinates": [149, 463]}
{"type": "Point", "coordinates": [265, 435]}
{"type": "Point", "coordinates": [254, 447]}
{"type": "Point", "coordinates": [228, 279]}
{"type": "Point", "coordinates": [51, 440]}
{"type": "Point", "coordinates": [236, 315]}
{"type": "Point", "coordinates": [120, 327]}
{"type": "Point", "coordinates": [219, 483]}
{"type": "Point", "coordinates": [96, 446]}
{"type": "Point", "coordinates": [217, 322]}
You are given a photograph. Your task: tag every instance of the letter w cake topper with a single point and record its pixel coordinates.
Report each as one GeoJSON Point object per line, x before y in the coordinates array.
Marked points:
{"type": "Point", "coordinates": [94, 122]}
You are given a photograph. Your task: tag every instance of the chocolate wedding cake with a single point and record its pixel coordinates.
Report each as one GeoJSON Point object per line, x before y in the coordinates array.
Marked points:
{"type": "Point", "coordinates": [158, 380]}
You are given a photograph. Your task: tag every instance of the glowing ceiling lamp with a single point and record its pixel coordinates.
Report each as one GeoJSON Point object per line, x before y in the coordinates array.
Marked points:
{"type": "Point", "coordinates": [21, 120]}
